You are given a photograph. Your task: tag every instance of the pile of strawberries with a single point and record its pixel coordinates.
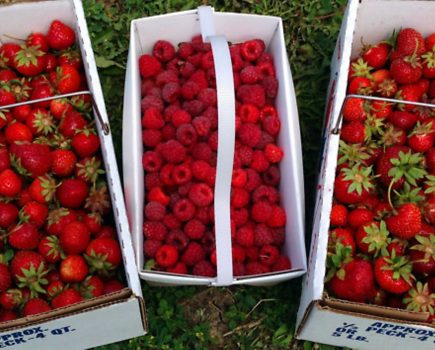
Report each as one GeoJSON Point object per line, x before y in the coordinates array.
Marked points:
{"type": "Point", "coordinates": [382, 233]}
{"type": "Point", "coordinates": [56, 246]}
{"type": "Point", "coordinates": [180, 136]}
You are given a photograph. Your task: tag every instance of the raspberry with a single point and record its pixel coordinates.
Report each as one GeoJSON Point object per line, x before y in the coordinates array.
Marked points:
{"type": "Point", "coordinates": [268, 111]}
{"type": "Point", "coordinates": [150, 247]}
{"type": "Point", "coordinates": [194, 229]}
{"type": "Point", "coordinates": [249, 75]}
{"type": "Point", "coordinates": [183, 190]}
{"type": "Point", "coordinates": [155, 211]}
{"type": "Point", "coordinates": [213, 141]}
{"type": "Point", "coordinates": [239, 178]}
{"type": "Point", "coordinates": [256, 268]}
{"type": "Point", "coordinates": [166, 175]}
{"type": "Point", "coordinates": [263, 235]}
{"type": "Point", "coordinates": [166, 255]}
{"type": "Point", "coordinates": [167, 76]}
{"type": "Point", "coordinates": [181, 174]}
{"type": "Point", "coordinates": [278, 236]}
{"type": "Point", "coordinates": [148, 66]}
{"type": "Point", "coordinates": [169, 111]}
{"type": "Point", "coordinates": [249, 134]}
{"type": "Point", "coordinates": [200, 78]}
{"type": "Point", "coordinates": [266, 193]}
{"type": "Point", "coordinates": [202, 126]}
{"type": "Point", "coordinates": [265, 140]}
{"type": "Point", "coordinates": [156, 194]}
{"type": "Point", "coordinates": [151, 161]}
{"type": "Point", "coordinates": [245, 236]}
{"type": "Point", "coordinates": [239, 197]}
{"type": "Point", "coordinates": [271, 176]}
{"type": "Point", "coordinates": [238, 253]}
{"type": "Point", "coordinates": [271, 125]}
{"type": "Point", "coordinates": [195, 59]}
{"type": "Point", "coordinates": [179, 268]}
{"type": "Point", "coordinates": [249, 113]}
{"type": "Point", "coordinates": [171, 92]}
{"type": "Point", "coordinates": [211, 114]}
{"type": "Point", "coordinates": [254, 180]}
{"type": "Point", "coordinates": [193, 254]}
{"type": "Point", "coordinates": [265, 57]}
{"type": "Point", "coordinates": [171, 221]}
{"type": "Point", "coordinates": [190, 90]}
{"type": "Point", "coordinates": [185, 50]}
{"type": "Point", "coordinates": [177, 239]}
{"type": "Point", "coordinates": [173, 151]}
{"type": "Point", "coordinates": [163, 50]}
{"type": "Point", "coordinates": [252, 49]}
{"type": "Point", "coordinates": [184, 210]}
{"type": "Point", "coordinates": [201, 170]}
{"type": "Point", "coordinates": [238, 269]}
{"type": "Point", "coordinates": [194, 107]}
{"type": "Point", "coordinates": [261, 211]}
{"type": "Point", "coordinates": [151, 101]}
{"type": "Point", "coordinates": [236, 58]}
{"type": "Point", "coordinates": [208, 242]}
{"type": "Point", "coordinates": [278, 217]}
{"type": "Point", "coordinates": [259, 162]}
{"type": "Point", "coordinates": [154, 230]}
{"type": "Point", "coordinates": [146, 86]}
{"type": "Point", "coordinates": [168, 132]}
{"type": "Point", "coordinates": [204, 268]}
{"type": "Point", "coordinates": [187, 69]}
{"type": "Point", "coordinates": [201, 194]}
{"type": "Point", "coordinates": [252, 253]}
{"type": "Point", "coordinates": [151, 138]}
{"type": "Point", "coordinates": [273, 153]}
{"type": "Point", "coordinates": [207, 61]}
{"type": "Point", "coordinates": [239, 216]}
{"type": "Point", "coordinates": [208, 97]}
{"type": "Point", "coordinates": [155, 91]}
{"type": "Point", "coordinates": [244, 153]}
{"type": "Point", "coordinates": [270, 85]}
{"type": "Point", "coordinates": [269, 255]}
{"type": "Point", "coordinates": [265, 70]}
{"type": "Point", "coordinates": [152, 180]}
{"type": "Point", "coordinates": [180, 117]}
{"type": "Point", "coordinates": [282, 263]}
{"type": "Point", "coordinates": [211, 77]}
{"type": "Point", "coordinates": [186, 134]}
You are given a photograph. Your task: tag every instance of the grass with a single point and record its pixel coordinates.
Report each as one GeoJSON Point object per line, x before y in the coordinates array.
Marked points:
{"type": "Point", "coordinates": [236, 317]}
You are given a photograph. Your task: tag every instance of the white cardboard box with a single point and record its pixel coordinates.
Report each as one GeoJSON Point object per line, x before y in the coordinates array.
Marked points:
{"type": "Point", "coordinates": [179, 27]}
{"type": "Point", "coordinates": [322, 319]}
{"type": "Point", "coordinates": [112, 317]}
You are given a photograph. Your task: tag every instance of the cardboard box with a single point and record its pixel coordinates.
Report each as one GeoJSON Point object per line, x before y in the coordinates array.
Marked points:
{"type": "Point", "coordinates": [179, 27]}
{"type": "Point", "coordinates": [320, 318]}
{"type": "Point", "coordinates": [112, 317]}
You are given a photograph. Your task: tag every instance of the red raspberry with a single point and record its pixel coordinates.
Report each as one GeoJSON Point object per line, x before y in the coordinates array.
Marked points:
{"type": "Point", "coordinates": [273, 153]}
{"type": "Point", "coordinates": [181, 174]}
{"type": "Point", "coordinates": [239, 216]}
{"type": "Point", "coordinates": [238, 269]}
{"type": "Point", "coordinates": [254, 94]}
{"type": "Point", "coordinates": [249, 75]}
{"type": "Point", "coordinates": [266, 193]}
{"type": "Point", "coordinates": [208, 242]}
{"type": "Point", "coordinates": [238, 253]}
{"type": "Point", "coordinates": [167, 76]}
{"type": "Point", "coordinates": [261, 211]}
{"type": "Point", "coordinates": [184, 210]}
{"type": "Point", "coordinates": [193, 254]}
{"type": "Point", "coordinates": [254, 180]}
{"type": "Point", "coordinates": [174, 64]}
{"type": "Point", "coordinates": [252, 49]}
{"type": "Point", "coordinates": [265, 57]}
{"type": "Point", "coordinates": [151, 161]}
{"type": "Point", "coordinates": [163, 51]}
{"type": "Point", "coordinates": [265, 140]}
{"type": "Point", "coordinates": [180, 117]}
{"type": "Point", "coordinates": [170, 110]}
{"type": "Point", "coordinates": [239, 197]}
{"type": "Point", "coordinates": [202, 126]}
{"type": "Point", "coordinates": [211, 114]}
{"type": "Point", "coordinates": [278, 217]}
{"type": "Point", "coordinates": [152, 119]}
{"type": "Point", "coordinates": [263, 235]}
{"type": "Point", "coordinates": [146, 86]}
{"type": "Point", "coordinates": [259, 161]}
{"type": "Point", "coordinates": [268, 111]}
{"type": "Point", "coordinates": [272, 125]}
{"type": "Point", "coordinates": [207, 61]}
{"type": "Point", "coordinates": [155, 211]}
{"type": "Point", "coordinates": [148, 66]}
{"type": "Point", "coordinates": [201, 194]}
{"type": "Point", "coordinates": [278, 236]}
{"type": "Point", "coordinates": [244, 153]}
{"type": "Point", "coordinates": [190, 90]}
{"type": "Point", "coordinates": [269, 255]}
{"type": "Point", "coordinates": [152, 180]}
{"type": "Point", "coordinates": [173, 151]}
{"type": "Point", "coordinates": [187, 69]}
{"type": "Point", "coordinates": [245, 236]}
{"type": "Point", "coordinates": [195, 59]}
{"type": "Point", "coordinates": [186, 134]}
{"type": "Point", "coordinates": [151, 138]}
{"type": "Point", "coordinates": [168, 132]}
{"type": "Point", "coordinates": [272, 176]}
{"type": "Point", "coordinates": [179, 268]}
{"type": "Point", "coordinates": [236, 58]}
{"type": "Point", "coordinates": [171, 92]}
{"type": "Point", "coordinates": [204, 268]}
{"type": "Point", "coordinates": [208, 97]}
{"type": "Point", "coordinates": [183, 190]}
{"type": "Point", "coordinates": [239, 178]}
{"type": "Point", "coordinates": [282, 263]}
{"type": "Point", "coordinates": [270, 85]}
{"type": "Point", "coordinates": [249, 113]}
{"type": "Point", "coordinates": [200, 78]}
{"type": "Point", "coordinates": [166, 175]}
{"type": "Point", "coordinates": [265, 70]}
{"type": "Point", "coordinates": [194, 229]}
{"type": "Point", "coordinates": [178, 239]}
{"type": "Point", "coordinates": [252, 253]}
{"type": "Point", "coordinates": [166, 255]}
{"type": "Point", "coordinates": [151, 101]}
{"type": "Point", "coordinates": [185, 50]}
{"type": "Point", "coordinates": [213, 141]}
{"type": "Point", "coordinates": [154, 230]}
{"type": "Point", "coordinates": [171, 221]}
{"type": "Point", "coordinates": [256, 268]}
{"type": "Point", "coordinates": [150, 247]}
{"type": "Point", "coordinates": [249, 134]}
{"type": "Point", "coordinates": [194, 107]}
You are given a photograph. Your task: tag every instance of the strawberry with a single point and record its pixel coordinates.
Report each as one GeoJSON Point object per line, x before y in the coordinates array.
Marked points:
{"type": "Point", "coordinates": [98, 200]}
{"type": "Point", "coordinates": [50, 249]}
{"type": "Point", "coordinates": [93, 222]}
{"type": "Point", "coordinates": [73, 269]}
{"type": "Point", "coordinates": [71, 57]}
{"type": "Point", "coordinates": [72, 193]}
{"type": "Point", "coordinates": [353, 132]}
{"type": "Point", "coordinates": [112, 285]}
{"type": "Point", "coordinates": [103, 255]}
{"type": "Point", "coordinates": [393, 274]}
{"type": "Point", "coordinates": [85, 143]}
{"type": "Point", "coordinates": [8, 214]}
{"type": "Point", "coordinates": [408, 42]}
{"type": "Point", "coordinates": [405, 223]}
{"type": "Point", "coordinates": [29, 61]}
{"type": "Point", "coordinates": [88, 169]}
{"type": "Point", "coordinates": [43, 189]}
{"type": "Point", "coordinates": [42, 91]}
{"type": "Point", "coordinates": [360, 85]}
{"type": "Point", "coordinates": [358, 217]}
{"type": "Point", "coordinates": [372, 238]}
{"type": "Point", "coordinates": [409, 92]}
{"type": "Point", "coordinates": [6, 96]}
{"type": "Point", "coordinates": [92, 287]}
{"type": "Point", "coordinates": [20, 88]}
{"type": "Point", "coordinates": [5, 277]}
{"type": "Point", "coordinates": [421, 137]}
{"type": "Point", "coordinates": [66, 79]}
{"type": "Point", "coordinates": [60, 36]}
{"type": "Point", "coordinates": [376, 56]}
{"type": "Point", "coordinates": [392, 136]}
{"type": "Point", "coordinates": [338, 216]}
{"type": "Point", "coordinates": [58, 219]}
{"type": "Point", "coordinates": [342, 236]}
{"type": "Point", "coordinates": [40, 122]}
{"type": "Point", "coordinates": [5, 162]}
{"type": "Point", "coordinates": [353, 110]}
{"type": "Point", "coordinates": [72, 122]}
{"type": "Point", "coordinates": [419, 298]}
{"type": "Point", "coordinates": [34, 213]}
{"type": "Point", "coordinates": [353, 185]}
{"type": "Point", "coordinates": [54, 288]}
{"type": "Point", "coordinates": [63, 162]}
{"type": "Point", "coordinates": [10, 183]}
{"type": "Point", "coordinates": [18, 132]}
{"type": "Point", "coordinates": [60, 107]}
{"type": "Point", "coordinates": [387, 88]}
{"type": "Point", "coordinates": [422, 255]}
{"type": "Point", "coordinates": [359, 68]}
{"type": "Point", "coordinates": [24, 236]}
{"type": "Point", "coordinates": [34, 158]}
{"type": "Point", "coordinates": [406, 70]}
{"type": "Point", "coordinates": [11, 299]}
{"type": "Point", "coordinates": [8, 52]}
{"type": "Point", "coordinates": [35, 306]}
{"type": "Point", "coordinates": [38, 40]}
{"type": "Point", "coordinates": [67, 297]}
{"type": "Point", "coordinates": [403, 120]}
{"type": "Point", "coordinates": [74, 238]}
{"type": "Point", "coordinates": [428, 63]}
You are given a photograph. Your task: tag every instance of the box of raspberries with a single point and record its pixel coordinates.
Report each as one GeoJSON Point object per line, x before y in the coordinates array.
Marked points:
{"type": "Point", "coordinates": [211, 150]}
{"type": "Point", "coordinates": [65, 281]}
{"type": "Point", "coordinates": [372, 278]}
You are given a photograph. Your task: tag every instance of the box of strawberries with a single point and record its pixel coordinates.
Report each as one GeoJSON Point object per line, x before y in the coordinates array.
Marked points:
{"type": "Point", "coordinates": [67, 270]}
{"type": "Point", "coordinates": [371, 281]}
{"type": "Point", "coordinates": [211, 150]}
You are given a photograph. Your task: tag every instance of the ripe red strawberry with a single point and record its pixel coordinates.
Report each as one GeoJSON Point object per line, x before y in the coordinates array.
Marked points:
{"type": "Point", "coordinates": [353, 132]}
{"type": "Point", "coordinates": [353, 185]}
{"type": "Point", "coordinates": [387, 88]}
{"type": "Point", "coordinates": [4, 159]}
{"type": "Point", "coordinates": [60, 36]}
{"type": "Point", "coordinates": [11, 299]}
{"type": "Point", "coordinates": [24, 236]}
{"type": "Point", "coordinates": [71, 57]}
{"type": "Point", "coordinates": [50, 249]}
{"type": "Point", "coordinates": [409, 41]}
{"type": "Point", "coordinates": [421, 137]}
{"type": "Point", "coordinates": [5, 277]}
{"type": "Point", "coordinates": [338, 215]}
{"type": "Point", "coordinates": [342, 236]}
{"type": "Point", "coordinates": [373, 238]}
{"type": "Point", "coordinates": [66, 79]}
{"type": "Point", "coordinates": [73, 269]}
{"type": "Point", "coordinates": [406, 222]}
{"type": "Point", "coordinates": [35, 306]}
{"type": "Point", "coordinates": [359, 216]}
{"type": "Point", "coordinates": [360, 85]}
{"type": "Point", "coordinates": [58, 219]}
{"type": "Point", "coordinates": [29, 61]}
{"type": "Point", "coordinates": [103, 255]}
{"type": "Point", "coordinates": [72, 122]}
{"type": "Point", "coordinates": [34, 158]}
{"type": "Point", "coordinates": [376, 56]}
{"type": "Point", "coordinates": [8, 214]}
{"type": "Point", "coordinates": [43, 189]}
{"type": "Point", "coordinates": [6, 96]}
{"type": "Point", "coordinates": [59, 108]}
{"type": "Point", "coordinates": [67, 297]}
{"type": "Point", "coordinates": [393, 274]}
{"type": "Point", "coordinates": [74, 238]}
{"type": "Point", "coordinates": [85, 143]}
{"type": "Point", "coordinates": [409, 92]}
{"type": "Point", "coordinates": [38, 40]}
{"type": "Point", "coordinates": [40, 122]}
{"type": "Point", "coordinates": [422, 255]}
{"type": "Point", "coordinates": [406, 70]}
{"type": "Point", "coordinates": [92, 287]}
{"type": "Point", "coordinates": [10, 183]}
{"type": "Point", "coordinates": [7, 54]}
{"type": "Point", "coordinates": [63, 162]}
{"type": "Point", "coordinates": [72, 193]}
{"type": "Point", "coordinates": [42, 91]}
{"type": "Point", "coordinates": [112, 285]}
{"type": "Point", "coordinates": [18, 132]}
{"type": "Point", "coordinates": [403, 120]}
{"type": "Point", "coordinates": [34, 213]}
